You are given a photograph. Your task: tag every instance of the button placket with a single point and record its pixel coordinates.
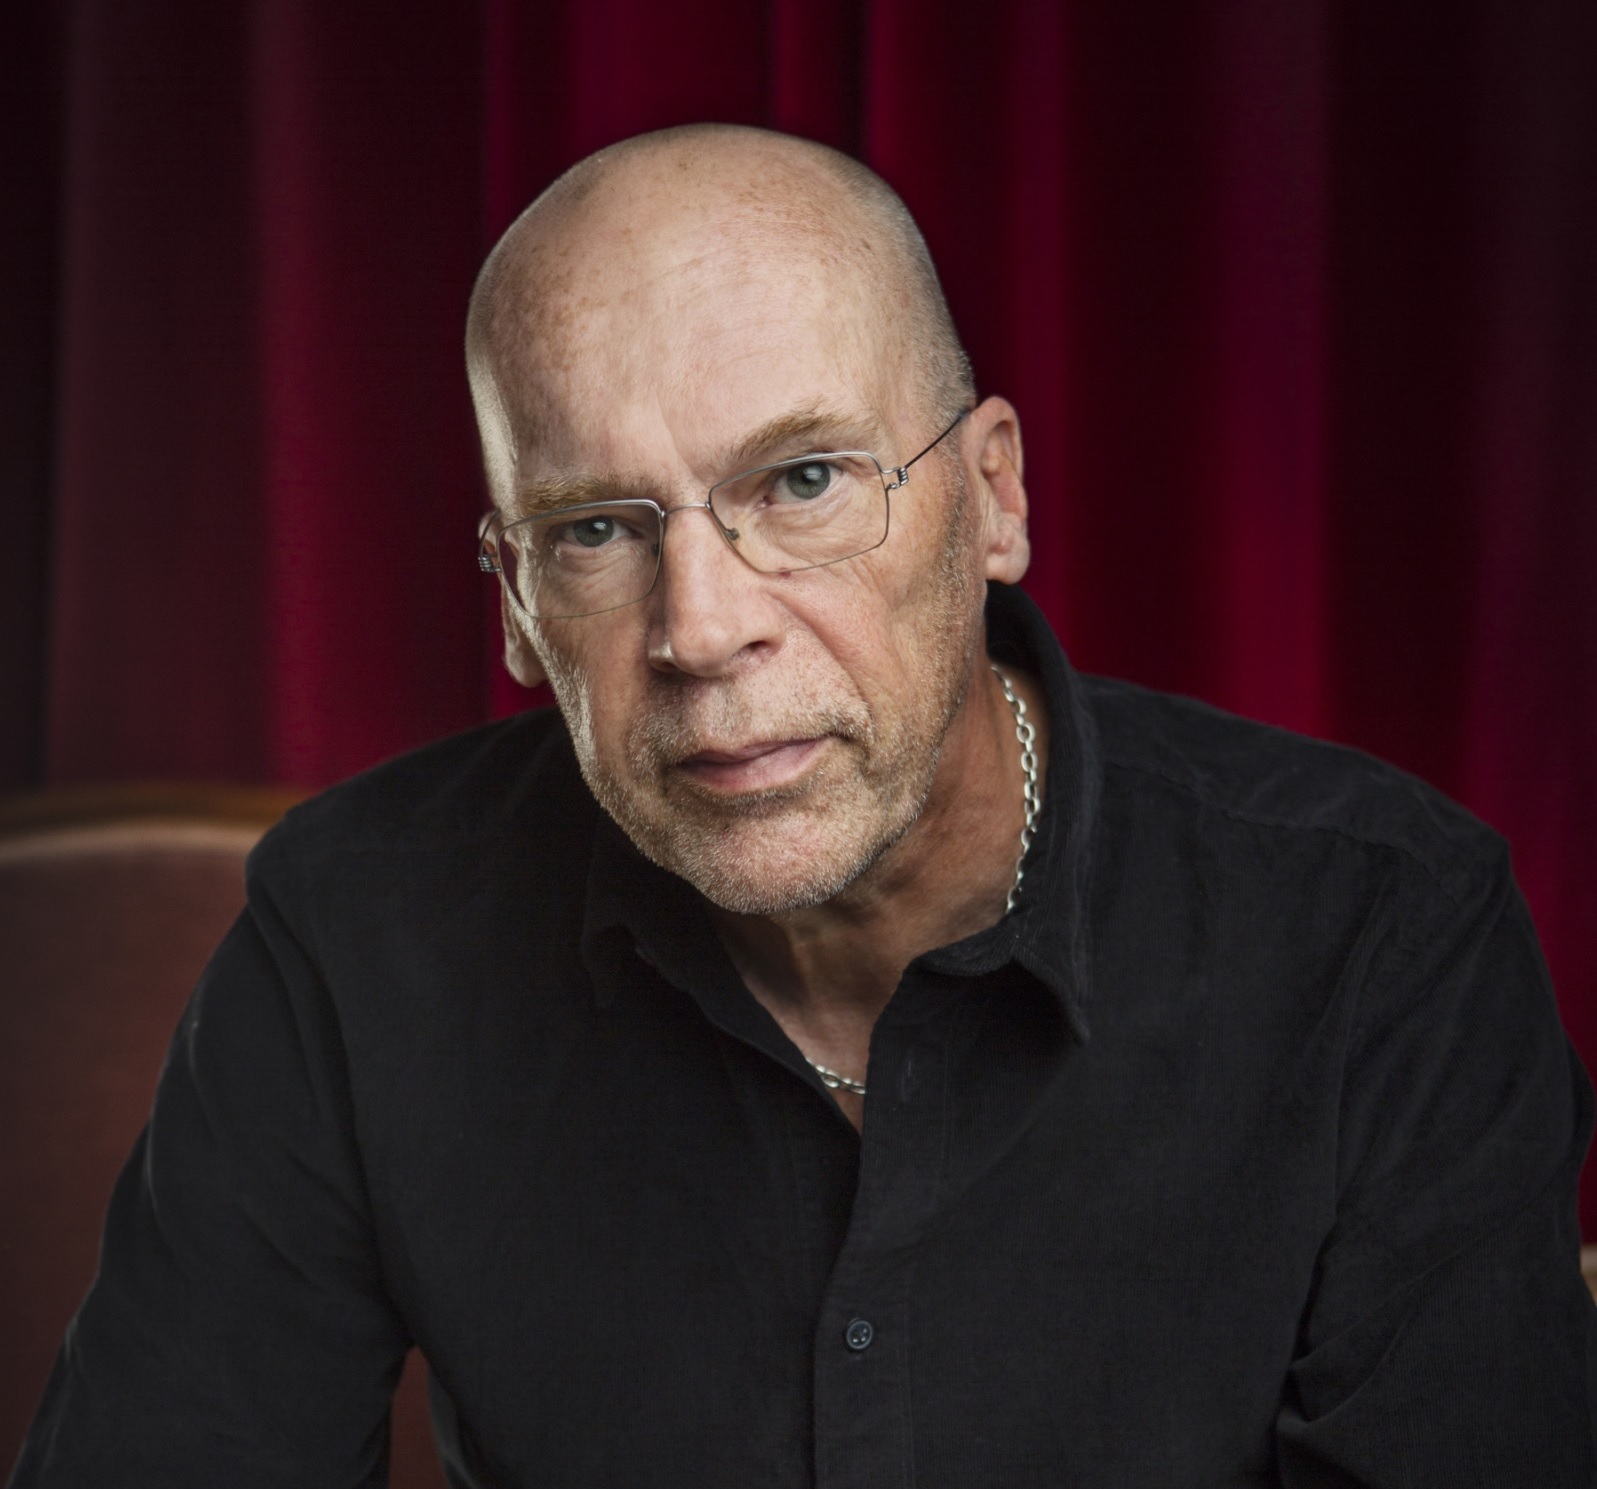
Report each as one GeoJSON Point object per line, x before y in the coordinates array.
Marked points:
{"type": "Point", "coordinates": [863, 1416]}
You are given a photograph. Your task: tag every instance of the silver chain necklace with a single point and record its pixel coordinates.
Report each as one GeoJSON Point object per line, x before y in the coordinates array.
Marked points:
{"type": "Point", "coordinates": [1027, 735]}
{"type": "Point", "coordinates": [832, 1080]}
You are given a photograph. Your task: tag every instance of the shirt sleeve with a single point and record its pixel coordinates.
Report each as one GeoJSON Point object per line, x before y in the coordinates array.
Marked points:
{"type": "Point", "coordinates": [237, 1332]}
{"type": "Point", "coordinates": [1449, 1339]}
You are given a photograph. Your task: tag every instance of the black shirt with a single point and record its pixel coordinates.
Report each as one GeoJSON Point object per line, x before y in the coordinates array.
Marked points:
{"type": "Point", "coordinates": [1242, 1152]}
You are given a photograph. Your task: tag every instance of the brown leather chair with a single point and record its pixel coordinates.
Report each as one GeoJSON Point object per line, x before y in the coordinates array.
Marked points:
{"type": "Point", "coordinates": [111, 900]}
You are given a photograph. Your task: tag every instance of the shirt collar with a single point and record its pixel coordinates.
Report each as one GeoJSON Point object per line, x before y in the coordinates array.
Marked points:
{"type": "Point", "coordinates": [636, 908]}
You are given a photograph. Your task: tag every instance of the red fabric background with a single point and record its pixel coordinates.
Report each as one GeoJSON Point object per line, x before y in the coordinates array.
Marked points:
{"type": "Point", "coordinates": [1298, 302]}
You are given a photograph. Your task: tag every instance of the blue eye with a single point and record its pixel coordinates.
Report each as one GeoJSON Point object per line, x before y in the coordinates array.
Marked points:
{"type": "Point", "coordinates": [593, 532]}
{"type": "Point", "coordinates": [807, 481]}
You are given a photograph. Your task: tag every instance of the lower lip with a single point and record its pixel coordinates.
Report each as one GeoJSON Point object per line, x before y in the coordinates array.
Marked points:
{"type": "Point", "coordinates": [769, 770]}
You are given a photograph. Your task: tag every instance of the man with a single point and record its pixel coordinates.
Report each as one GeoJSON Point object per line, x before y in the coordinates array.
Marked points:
{"type": "Point", "coordinates": [842, 1047]}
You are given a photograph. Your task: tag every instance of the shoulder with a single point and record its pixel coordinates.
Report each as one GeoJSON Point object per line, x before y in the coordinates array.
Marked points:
{"type": "Point", "coordinates": [433, 874]}
{"type": "Point", "coordinates": [496, 785]}
{"type": "Point", "coordinates": [1270, 781]}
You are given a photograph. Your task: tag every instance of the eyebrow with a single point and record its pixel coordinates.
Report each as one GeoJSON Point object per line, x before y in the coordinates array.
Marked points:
{"type": "Point", "coordinates": [575, 491]}
{"type": "Point", "coordinates": [804, 431]}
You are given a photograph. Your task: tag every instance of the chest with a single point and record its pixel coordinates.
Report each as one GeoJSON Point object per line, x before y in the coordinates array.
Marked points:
{"type": "Point", "coordinates": [635, 1247]}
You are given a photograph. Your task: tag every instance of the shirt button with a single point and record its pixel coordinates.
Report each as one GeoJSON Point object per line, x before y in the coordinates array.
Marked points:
{"type": "Point", "coordinates": [859, 1333]}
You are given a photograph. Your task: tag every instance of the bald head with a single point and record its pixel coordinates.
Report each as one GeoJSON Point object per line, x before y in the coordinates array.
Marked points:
{"type": "Point", "coordinates": [668, 238]}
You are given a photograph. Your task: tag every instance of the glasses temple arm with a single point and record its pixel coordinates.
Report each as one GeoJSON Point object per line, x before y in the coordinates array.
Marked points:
{"type": "Point", "coordinates": [902, 471]}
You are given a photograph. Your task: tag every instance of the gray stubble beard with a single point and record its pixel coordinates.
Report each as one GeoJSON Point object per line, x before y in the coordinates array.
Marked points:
{"type": "Point", "coordinates": [688, 835]}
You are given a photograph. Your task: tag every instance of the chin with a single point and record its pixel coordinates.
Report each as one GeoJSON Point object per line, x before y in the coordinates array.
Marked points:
{"type": "Point", "coordinates": [772, 864]}
{"type": "Point", "coordinates": [796, 886]}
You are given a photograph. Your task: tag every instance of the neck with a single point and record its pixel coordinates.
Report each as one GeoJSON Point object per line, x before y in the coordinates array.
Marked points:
{"type": "Point", "coordinates": [827, 972]}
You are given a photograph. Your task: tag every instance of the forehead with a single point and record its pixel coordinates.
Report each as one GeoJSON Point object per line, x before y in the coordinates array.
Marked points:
{"type": "Point", "coordinates": [688, 336]}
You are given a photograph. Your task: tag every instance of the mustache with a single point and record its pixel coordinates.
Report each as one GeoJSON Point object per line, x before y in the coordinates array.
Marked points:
{"type": "Point", "coordinates": [684, 721]}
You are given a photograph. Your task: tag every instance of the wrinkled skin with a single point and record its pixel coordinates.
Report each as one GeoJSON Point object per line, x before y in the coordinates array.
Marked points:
{"type": "Point", "coordinates": [824, 754]}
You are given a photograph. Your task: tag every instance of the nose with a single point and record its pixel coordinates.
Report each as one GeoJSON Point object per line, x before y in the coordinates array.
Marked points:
{"type": "Point", "coordinates": [712, 612]}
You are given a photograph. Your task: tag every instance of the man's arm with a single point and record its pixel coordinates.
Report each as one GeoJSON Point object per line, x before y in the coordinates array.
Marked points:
{"type": "Point", "coordinates": [237, 1331]}
{"type": "Point", "coordinates": [1450, 1340]}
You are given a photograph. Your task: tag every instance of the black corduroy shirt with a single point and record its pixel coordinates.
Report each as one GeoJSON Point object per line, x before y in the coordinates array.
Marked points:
{"type": "Point", "coordinates": [1242, 1153]}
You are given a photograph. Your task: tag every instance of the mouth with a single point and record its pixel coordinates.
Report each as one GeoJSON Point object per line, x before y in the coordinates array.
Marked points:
{"type": "Point", "coordinates": [768, 765]}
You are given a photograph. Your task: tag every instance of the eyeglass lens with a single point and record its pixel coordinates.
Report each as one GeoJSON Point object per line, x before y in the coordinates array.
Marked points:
{"type": "Point", "coordinates": [797, 514]}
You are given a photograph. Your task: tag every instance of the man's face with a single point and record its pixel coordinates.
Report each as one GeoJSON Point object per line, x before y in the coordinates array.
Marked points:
{"type": "Point", "coordinates": [764, 736]}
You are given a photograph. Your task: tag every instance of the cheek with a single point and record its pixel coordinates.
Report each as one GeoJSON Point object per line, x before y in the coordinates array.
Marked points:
{"type": "Point", "coordinates": [867, 636]}
{"type": "Point", "coordinates": [890, 618]}
{"type": "Point", "coordinates": [593, 675]}
{"type": "Point", "coordinates": [855, 651]}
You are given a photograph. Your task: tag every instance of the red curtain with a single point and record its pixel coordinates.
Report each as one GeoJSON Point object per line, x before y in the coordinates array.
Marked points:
{"type": "Point", "coordinates": [1298, 302]}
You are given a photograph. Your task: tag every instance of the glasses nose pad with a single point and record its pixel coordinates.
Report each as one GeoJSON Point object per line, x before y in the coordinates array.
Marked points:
{"type": "Point", "coordinates": [731, 534]}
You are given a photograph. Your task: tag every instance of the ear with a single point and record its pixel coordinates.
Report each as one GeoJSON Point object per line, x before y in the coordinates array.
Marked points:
{"type": "Point", "coordinates": [521, 661]}
{"type": "Point", "coordinates": [997, 484]}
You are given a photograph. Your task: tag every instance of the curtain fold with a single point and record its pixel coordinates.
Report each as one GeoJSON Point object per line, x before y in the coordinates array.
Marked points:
{"type": "Point", "coordinates": [1298, 304]}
